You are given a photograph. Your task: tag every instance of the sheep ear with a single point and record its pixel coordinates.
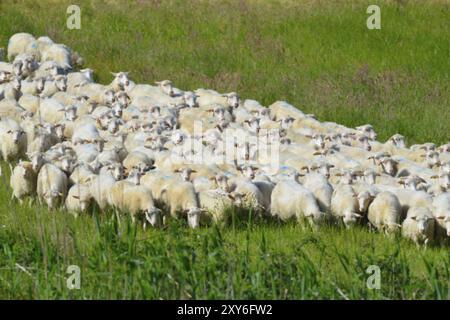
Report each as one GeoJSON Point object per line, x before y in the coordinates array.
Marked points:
{"type": "Point", "coordinates": [76, 197]}
{"type": "Point", "coordinates": [177, 170]}
{"type": "Point", "coordinates": [114, 74]}
{"type": "Point", "coordinates": [434, 177]}
{"type": "Point", "coordinates": [193, 171]}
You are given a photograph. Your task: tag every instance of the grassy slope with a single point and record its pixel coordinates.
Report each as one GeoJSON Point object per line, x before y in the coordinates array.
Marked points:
{"type": "Point", "coordinates": [320, 58]}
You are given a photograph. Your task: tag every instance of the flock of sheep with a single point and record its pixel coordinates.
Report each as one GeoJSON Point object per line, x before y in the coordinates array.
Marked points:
{"type": "Point", "coordinates": [128, 146]}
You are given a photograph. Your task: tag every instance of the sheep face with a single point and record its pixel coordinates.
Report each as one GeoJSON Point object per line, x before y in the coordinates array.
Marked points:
{"type": "Point", "coordinates": [368, 130]}
{"type": "Point", "coordinates": [166, 87]}
{"type": "Point", "coordinates": [222, 183]}
{"type": "Point", "coordinates": [123, 98]}
{"type": "Point", "coordinates": [322, 168]}
{"type": "Point", "coordinates": [398, 140]}
{"type": "Point", "coordinates": [16, 135]}
{"type": "Point", "coordinates": [37, 161]}
{"type": "Point", "coordinates": [59, 131]}
{"type": "Point", "coordinates": [52, 198]}
{"type": "Point", "coordinates": [431, 158]}
{"type": "Point", "coordinates": [154, 217]}
{"type": "Point", "coordinates": [66, 164]}
{"type": "Point", "coordinates": [364, 200]}
{"type": "Point", "coordinates": [121, 78]}
{"type": "Point", "coordinates": [219, 113]}
{"type": "Point", "coordinates": [193, 216]}
{"type": "Point", "coordinates": [178, 137]}
{"type": "Point", "coordinates": [113, 126]}
{"type": "Point", "coordinates": [109, 97]}
{"type": "Point", "coordinates": [389, 166]}
{"type": "Point", "coordinates": [135, 176]}
{"type": "Point", "coordinates": [186, 173]}
{"type": "Point", "coordinates": [286, 123]}
{"type": "Point", "coordinates": [61, 82]}
{"type": "Point", "coordinates": [423, 223]}
{"type": "Point", "coordinates": [233, 99]}
{"type": "Point", "coordinates": [190, 99]}
{"type": "Point", "coordinates": [319, 141]}
{"type": "Point", "coordinates": [364, 140]}
{"type": "Point", "coordinates": [70, 113]}
{"type": "Point", "coordinates": [117, 109]}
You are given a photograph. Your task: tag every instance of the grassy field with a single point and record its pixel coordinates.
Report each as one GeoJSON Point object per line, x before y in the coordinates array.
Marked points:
{"type": "Point", "coordinates": [319, 56]}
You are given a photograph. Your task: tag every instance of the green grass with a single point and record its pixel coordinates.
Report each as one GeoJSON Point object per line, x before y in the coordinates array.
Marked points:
{"type": "Point", "coordinates": [319, 57]}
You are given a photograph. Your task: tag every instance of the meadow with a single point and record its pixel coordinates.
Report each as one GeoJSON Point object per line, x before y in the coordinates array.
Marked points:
{"type": "Point", "coordinates": [317, 55]}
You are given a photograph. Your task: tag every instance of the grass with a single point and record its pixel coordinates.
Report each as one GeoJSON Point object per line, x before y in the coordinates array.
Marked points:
{"type": "Point", "coordinates": [320, 57]}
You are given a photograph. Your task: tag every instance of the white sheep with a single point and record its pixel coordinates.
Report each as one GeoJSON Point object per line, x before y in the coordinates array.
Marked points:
{"type": "Point", "coordinates": [23, 181]}
{"type": "Point", "coordinates": [59, 53]}
{"type": "Point", "coordinates": [52, 185]}
{"type": "Point", "coordinates": [181, 201]}
{"type": "Point", "coordinates": [344, 205]}
{"type": "Point", "coordinates": [135, 200]}
{"type": "Point", "coordinates": [290, 199]}
{"type": "Point", "coordinates": [419, 225]}
{"type": "Point", "coordinates": [441, 212]}
{"type": "Point", "coordinates": [321, 188]}
{"type": "Point", "coordinates": [79, 198]}
{"type": "Point", "coordinates": [18, 44]}
{"type": "Point", "coordinates": [13, 140]}
{"type": "Point", "coordinates": [385, 212]}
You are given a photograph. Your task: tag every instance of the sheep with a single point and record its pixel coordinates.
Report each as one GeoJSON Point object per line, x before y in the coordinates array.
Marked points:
{"type": "Point", "coordinates": [441, 212]}
{"type": "Point", "coordinates": [18, 44]}
{"type": "Point", "coordinates": [181, 200]}
{"type": "Point", "coordinates": [53, 85]}
{"type": "Point", "coordinates": [138, 160]}
{"type": "Point", "coordinates": [100, 188]}
{"type": "Point", "coordinates": [33, 87]}
{"type": "Point", "coordinates": [13, 140]}
{"type": "Point", "coordinates": [385, 212]}
{"type": "Point", "coordinates": [81, 174]}
{"type": "Point", "coordinates": [120, 81]}
{"type": "Point", "coordinates": [419, 225]}
{"type": "Point", "coordinates": [321, 188]}
{"type": "Point", "coordinates": [291, 199]}
{"type": "Point", "coordinates": [135, 200]}
{"type": "Point", "coordinates": [23, 181]}
{"type": "Point", "coordinates": [60, 54]}
{"type": "Point", "coordinates": [249, 195]}
{"type": "Point", "coordinates": [12, 90]}
{"type": "Point", "coordinates": [215, 202]}
{"type": "Point", "coordinates": [87, 133]}
{"type": "Point", "coordinates": [344, 205]}
{"type": "Point", "coordinates": [52, 185]}
{"type": "Point", "coordinates": [79, 198]}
